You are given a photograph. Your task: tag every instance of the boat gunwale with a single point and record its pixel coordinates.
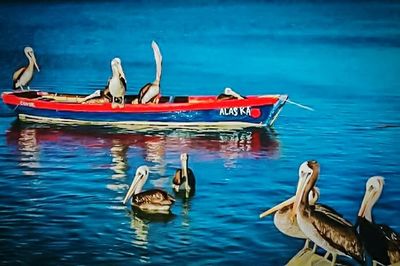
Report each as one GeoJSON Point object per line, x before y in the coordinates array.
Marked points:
{"type": "Point", "coordinates": [12, 98]}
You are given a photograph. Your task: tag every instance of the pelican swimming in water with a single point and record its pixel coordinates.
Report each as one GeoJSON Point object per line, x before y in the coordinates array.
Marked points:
{"type": "Point", "coordinates": [153, 200]}
{"type": "Point", "coordinates": [23, 76]}
{"type": "Point", "coordinates": [117, 84]}
{"type": "Point", "coordinates": [324, 227]}
{"type": "Point", "coordinates": [380, 241]}
{"type": "Point", "coordinates": [150, 92]}
{"type": "Point", "coordinates": [230, 94]}
{"type": "Point", "coordinates": [184, 177]}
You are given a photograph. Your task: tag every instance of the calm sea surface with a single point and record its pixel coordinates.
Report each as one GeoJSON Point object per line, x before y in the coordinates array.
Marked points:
{"type": "Point", "coordinates": [61, 187]}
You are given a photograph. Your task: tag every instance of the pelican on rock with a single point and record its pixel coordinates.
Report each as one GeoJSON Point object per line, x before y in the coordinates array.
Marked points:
{"type": "Point", "coordinates": [324, 227]}
{"type": "Point", "coordinates": [381, 242]}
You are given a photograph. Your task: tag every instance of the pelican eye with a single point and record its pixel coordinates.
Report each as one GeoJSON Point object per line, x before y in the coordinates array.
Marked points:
{"type": "Point", "coordinates": [370, 188]}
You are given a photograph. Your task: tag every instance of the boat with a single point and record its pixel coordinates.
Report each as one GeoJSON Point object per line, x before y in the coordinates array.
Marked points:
{"type": "Point", "coordinates": [171, 111]}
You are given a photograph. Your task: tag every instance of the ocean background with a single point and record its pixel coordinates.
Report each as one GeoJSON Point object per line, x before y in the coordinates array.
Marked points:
{"type": "Point", "coordinates": [61, 187]}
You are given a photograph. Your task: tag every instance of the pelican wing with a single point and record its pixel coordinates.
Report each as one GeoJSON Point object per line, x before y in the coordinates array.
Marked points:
{"type": "Point", "coordinates": [18, 73]}
{"type": "Point", "coordinates": [332, 213]}
{"type": "Point", "coordinates": [177, 180]}
{"type": "Point", "coordinates": [338, 232]}
{"type": "Point", "coordinates": [153, 196]}
{"type": "Point", "coordinates": [393, 239]}
{"type": "Point", "coordinates": [123, 82]}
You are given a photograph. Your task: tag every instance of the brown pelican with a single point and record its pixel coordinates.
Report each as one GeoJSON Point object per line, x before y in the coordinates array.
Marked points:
{"type": "Point", "coordinates": [153, 200]}
{"type": "Point", "coordinates": [149, 93]}
{"type": "Point", "coordinates": [380, 241]}
{"type": "Point", "coordinates": [325, 228]}
{"type": "Point", "coordinates": [23, 76]}
{"type": "Point", "coordinates": [184, 178]}
{"type": "Point", "coordinates": [229, 94]}
{"type": "Point", "coordinates": [117, 83]}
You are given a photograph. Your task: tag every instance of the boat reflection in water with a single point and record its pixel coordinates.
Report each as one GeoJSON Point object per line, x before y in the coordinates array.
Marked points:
{"type": "Point", "coordinates": [152, 145]}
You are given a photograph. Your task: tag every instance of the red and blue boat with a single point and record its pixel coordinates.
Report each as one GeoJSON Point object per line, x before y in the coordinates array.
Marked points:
{"type": "Point", "coordinates": [178, 111]}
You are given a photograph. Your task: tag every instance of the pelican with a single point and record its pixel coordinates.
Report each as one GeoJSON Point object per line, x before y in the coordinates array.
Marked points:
{"type": "Point", "coordinates": [380, 241]}
{"type": "Point", "coordinates": [153, 200]}
{"type": "Point", "coordinates": [285, 222]}
{"type": "Point", "coordinates": [184, 177]}
{"type": "Point", "coordinates": [23, 76]}
{"type": "Point", "coordinates": [149, 93]}
{"type": "Point", "coordinates": [324, 227]}
{"type": "Point", "coordinates": [229, 94]}
{"type": "Point", "coordinates": [117, 83]}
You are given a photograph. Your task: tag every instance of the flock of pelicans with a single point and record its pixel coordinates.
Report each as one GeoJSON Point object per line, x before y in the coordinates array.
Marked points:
{"type": "Point", "coordinates": [116, 87]}
{"type": "Point", "coordinates": [300, 216]}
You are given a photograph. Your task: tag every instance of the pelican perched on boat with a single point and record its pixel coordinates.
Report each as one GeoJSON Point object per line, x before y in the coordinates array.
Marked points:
{"type": "Point", "coordinates": [116, 84]}
{"type": "Point", "coordinates": [23, 76]}
{"type": "Point", "coordinates": [380, 241]}
{"type": "Point", "coordinates": [230, 94]}
{"type": "Point", "coordinates": [153, 200]}
{"type": "Point", "coordinates": [325, 228]}
{"type": "Point", "coordinates": [149, 93]}
{"type": "Point", "coordinates": [184, 179]}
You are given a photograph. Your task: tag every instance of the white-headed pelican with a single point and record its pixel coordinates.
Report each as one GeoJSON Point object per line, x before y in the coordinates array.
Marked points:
{"type": "Point", "coordinates": [149, 93]}
{"type": "Point", "coordinates": [23, 76]}
{"type": "Point", "coordinates": [380, 241]}
{"type": "Point", "coordinates": [324, 227]}
{"type": "Point", "coordinates": [117, 83]}
{"type": "Point", "coordinates": [153, 200]}
{"type": "Point", "coordinates": [230, 94]}
{"type": "Point", "coordinates": [184, 178]}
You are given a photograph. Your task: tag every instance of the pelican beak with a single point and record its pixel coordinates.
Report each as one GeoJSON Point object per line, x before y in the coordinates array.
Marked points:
{"type": "Point", "coordinates": [365, 202]}
{"type": "Point", "coordinates": [278, 207]}
{"type": "Point", "coordinates": [34, 62]}
{"type": "Point", "coordinates": [299, 192]}
{"type": "Point", "coordinates": [121, 72]}
{"type": "Point", "coordinates": [132, 188]}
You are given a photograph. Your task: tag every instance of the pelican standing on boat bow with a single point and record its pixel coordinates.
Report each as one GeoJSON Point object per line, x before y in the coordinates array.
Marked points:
{"type": "Point", "coordinates": [325, 228]}
{"type": "Point", "coordinates": [184, 178]}
{"type": "Point", "coordinates": [23, 76]}
{"type": "Point", "coordinates": [153, 200]}
{"type": "Point", "coordinates": [117, 84]}
{"type": "Point", "coordinates": [149, 93]}
{"type": "Point", "coordinates": [381, 242]}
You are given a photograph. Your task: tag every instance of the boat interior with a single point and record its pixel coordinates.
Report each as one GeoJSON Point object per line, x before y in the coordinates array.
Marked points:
{"type": "Point", "coordinates": [81, 98]}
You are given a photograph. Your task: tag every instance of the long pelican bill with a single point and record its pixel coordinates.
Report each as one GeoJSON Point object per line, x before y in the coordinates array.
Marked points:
{"type": "Point", "coordinates": [278, 207]}
{"type": "Point", "coordinates": [299, 193]}
{"type": "Point", "coordinates": [34, 61]}
{"type": "Point", "coordinates": [366, 203]}
{"type": "Point", "coordinates": [132, 188]}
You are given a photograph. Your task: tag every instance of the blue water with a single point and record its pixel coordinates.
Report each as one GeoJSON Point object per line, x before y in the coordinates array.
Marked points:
{"type": "Point", "coordinates": [61, 187]}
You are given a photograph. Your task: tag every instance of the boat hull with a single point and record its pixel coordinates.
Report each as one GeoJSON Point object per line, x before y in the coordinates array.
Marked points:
{"type": "Point", "coordinates": [223, 115]}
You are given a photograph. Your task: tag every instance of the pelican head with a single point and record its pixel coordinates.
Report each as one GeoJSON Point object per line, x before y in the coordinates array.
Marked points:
{"type": "Point", "coordinates": [179, 179]}
{"type": "Point", "coordinates": [373, 190]}
{"type": "Point", "coordinates": [116, 65]}
{"type": "Point", "coordinates": [304, 172]}
{"type": "Point", "coordinates": [142, 173]}
{"type": "Point", "coordinates": [31, 56]}
{"type": "Point", "coordinates": [229, 91]}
